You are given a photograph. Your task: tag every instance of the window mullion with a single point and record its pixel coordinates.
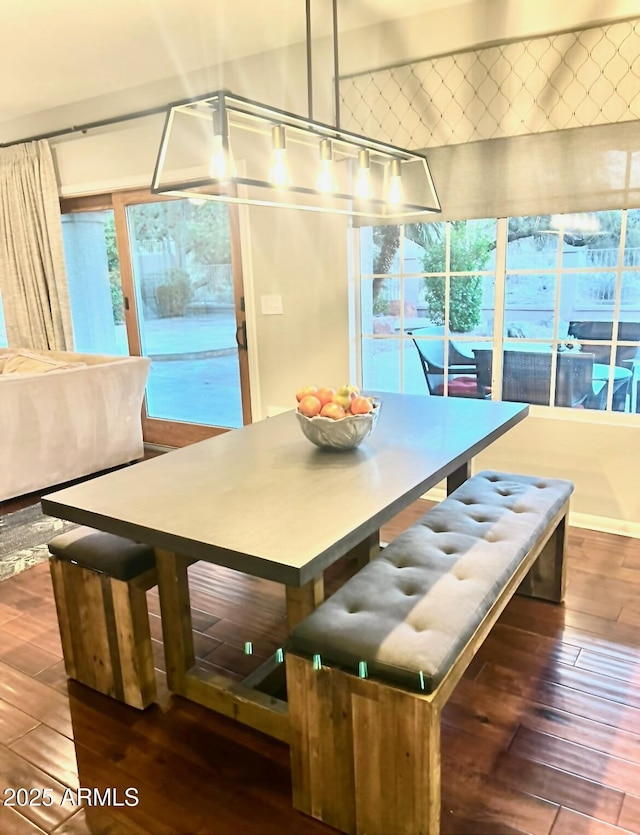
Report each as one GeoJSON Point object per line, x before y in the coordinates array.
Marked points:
{"type": "Point", "coordinates": [355, 306]}
{"type": "Point", "coordinates": [499, 306]}
{"type": "Point", "coordinates": [559, 277]}
{"type": "Point", "coordinates": [447, 300]}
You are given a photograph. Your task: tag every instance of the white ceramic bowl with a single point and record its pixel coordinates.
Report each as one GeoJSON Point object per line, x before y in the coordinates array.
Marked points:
{"type": "Point", "coordinates": [346, 433]}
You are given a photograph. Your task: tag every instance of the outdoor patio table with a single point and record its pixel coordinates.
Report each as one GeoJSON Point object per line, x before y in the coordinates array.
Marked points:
{"type": "Point", "coordinates": [621, 376]}
{"type": "Point", "coordinates": [265, 501]}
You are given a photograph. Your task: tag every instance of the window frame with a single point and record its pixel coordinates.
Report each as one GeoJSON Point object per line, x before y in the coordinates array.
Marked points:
{"type": "Point", "coordinates": [498, 340]}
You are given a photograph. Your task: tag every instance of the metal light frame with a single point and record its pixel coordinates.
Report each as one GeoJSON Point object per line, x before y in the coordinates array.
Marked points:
{"type": "Point", "coordinates": [209, 124]}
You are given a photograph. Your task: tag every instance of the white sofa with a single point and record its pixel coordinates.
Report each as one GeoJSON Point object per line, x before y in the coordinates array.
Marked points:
{"type": "Point", "coordinates": [64, 415]}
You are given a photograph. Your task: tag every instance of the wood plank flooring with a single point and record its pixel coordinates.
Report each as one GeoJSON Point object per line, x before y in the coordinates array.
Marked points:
{"type": "Point", "coordinates": [541, 736]}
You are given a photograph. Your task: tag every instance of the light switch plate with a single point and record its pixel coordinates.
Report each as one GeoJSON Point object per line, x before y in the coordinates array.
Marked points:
{"type": "Point", "coordinates": [271, 305]}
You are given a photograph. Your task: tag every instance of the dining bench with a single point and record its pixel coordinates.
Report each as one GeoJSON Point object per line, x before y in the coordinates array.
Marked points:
{"type": "Point", "coordinates": [100, 582]}
{"type": "Point", "coordinates": [369, 671]}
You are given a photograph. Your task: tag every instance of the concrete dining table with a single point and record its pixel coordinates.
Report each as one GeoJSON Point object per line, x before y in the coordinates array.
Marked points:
{"type": "Point", "coordinates": [263, 500]}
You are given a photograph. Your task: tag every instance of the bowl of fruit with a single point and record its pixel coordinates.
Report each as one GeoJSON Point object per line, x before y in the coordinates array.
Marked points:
{"type": "Point", "coordinates": [336, 418]}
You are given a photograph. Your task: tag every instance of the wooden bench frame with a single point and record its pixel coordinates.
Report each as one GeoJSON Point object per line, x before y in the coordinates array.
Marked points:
{"type": "Point", "coordinates": [104, 630]}
{"type": "Point", "coordinates": [365, 755]}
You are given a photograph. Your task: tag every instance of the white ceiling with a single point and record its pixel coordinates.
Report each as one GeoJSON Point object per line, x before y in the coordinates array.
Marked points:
{"type": "Point", "coordinates": [58, 52]}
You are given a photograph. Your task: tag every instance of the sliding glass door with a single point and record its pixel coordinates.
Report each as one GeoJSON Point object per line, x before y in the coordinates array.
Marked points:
{"type": "Point", "coordinates": [160, 277]}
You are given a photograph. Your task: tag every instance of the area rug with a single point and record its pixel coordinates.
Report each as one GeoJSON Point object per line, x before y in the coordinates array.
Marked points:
{"type": "Point", "coordinates": [24, 535]}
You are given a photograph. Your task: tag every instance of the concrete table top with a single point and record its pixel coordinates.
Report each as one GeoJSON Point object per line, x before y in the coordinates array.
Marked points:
{"type": "Point", "coordinates": [265, 501]}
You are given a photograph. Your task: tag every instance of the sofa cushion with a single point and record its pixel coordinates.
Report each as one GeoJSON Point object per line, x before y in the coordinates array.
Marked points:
{"type": "Point", "coordinates": [32, 362]}
{"type": "Point", "coordinates": [4, 358]}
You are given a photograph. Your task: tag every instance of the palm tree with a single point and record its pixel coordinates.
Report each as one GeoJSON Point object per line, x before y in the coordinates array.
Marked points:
{"type": "Point", "coordinates": [386, 241]}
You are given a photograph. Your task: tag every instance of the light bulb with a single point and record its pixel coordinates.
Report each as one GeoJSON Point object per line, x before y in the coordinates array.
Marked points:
{"type": "Point", "coordinates": [394, 193]}
{"type": "Point", "coordinates": [363, 177]}
{"type": "Point", "coordinates": [221, 163]}
{"type": "Point", "coordinates": [326, 180]}
{"type": "Point", "coordinates": [220, 167]}
{"type": "Point", "coordinates": [279, 172]}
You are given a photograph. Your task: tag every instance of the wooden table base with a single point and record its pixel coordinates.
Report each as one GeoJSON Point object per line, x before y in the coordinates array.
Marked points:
{"type": "Point", "coordinates": [252, 701]}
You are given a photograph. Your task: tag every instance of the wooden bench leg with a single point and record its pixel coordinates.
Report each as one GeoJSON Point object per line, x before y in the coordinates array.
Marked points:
{"type": "Point", "coordinates": [104, 630]}
{"type": "Point", "coordinates": [365, 757]}
{"type": "Point", "coordinates": [547, 576]}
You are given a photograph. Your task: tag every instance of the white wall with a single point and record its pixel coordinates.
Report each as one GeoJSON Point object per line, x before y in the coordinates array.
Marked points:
{"type": "Point", "coordinates": [303, 257]}
{"type": "Point", "coordinates": [599, 458]}
{"type": "Point", "coordinates": [474, 22]}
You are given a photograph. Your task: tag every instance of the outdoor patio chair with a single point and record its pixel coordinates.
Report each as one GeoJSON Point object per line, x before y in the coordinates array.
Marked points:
{"type": "Point", "coordinates": [597, 331]}
{"type": "Point", "coordinates": [461, 379]}
{"type": "Point", "coordinates": [526, 377]}
{"type": "Point", "coordinates": [625, 354]}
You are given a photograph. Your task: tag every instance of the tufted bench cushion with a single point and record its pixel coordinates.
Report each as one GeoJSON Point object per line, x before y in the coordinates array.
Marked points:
{"type": "Point", "coordinates": [413, 609]}
{"type": "Point", "coordinates": [107, 553]}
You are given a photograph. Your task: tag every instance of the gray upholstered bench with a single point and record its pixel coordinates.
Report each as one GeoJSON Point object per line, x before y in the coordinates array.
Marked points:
{"type": "Point", "coordinates": [99, 583]}
{"type": "Point", "coordinates": [369, 671]}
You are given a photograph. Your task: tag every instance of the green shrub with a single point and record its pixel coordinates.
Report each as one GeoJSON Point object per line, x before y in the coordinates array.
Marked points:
{"type": "Point", "coordinates": [175, 294]}
{"type": "Point", "coordinates": [465, 299]}
{"type": "Point", "coordinates": [117, 300]}
{"type": "Point", "coordinates": [470, 250]}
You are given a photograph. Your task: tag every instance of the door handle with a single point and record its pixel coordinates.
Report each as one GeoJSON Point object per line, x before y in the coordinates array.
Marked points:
{"type": "Point", "coordinates": [241, 335]}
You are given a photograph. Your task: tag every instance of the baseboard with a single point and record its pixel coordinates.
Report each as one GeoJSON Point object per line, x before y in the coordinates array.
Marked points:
{"type": "Point", "coordinates": [436, 494]}
{"type": "Point", "coordinates": [603, 524]}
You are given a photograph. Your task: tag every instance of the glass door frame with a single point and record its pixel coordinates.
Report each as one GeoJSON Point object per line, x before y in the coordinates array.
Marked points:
{"type": "Point", "coordinates": [164, 432]}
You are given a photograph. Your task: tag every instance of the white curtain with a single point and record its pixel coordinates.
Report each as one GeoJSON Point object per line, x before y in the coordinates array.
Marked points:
{"type": "Point", "coordinates": [32, 271]}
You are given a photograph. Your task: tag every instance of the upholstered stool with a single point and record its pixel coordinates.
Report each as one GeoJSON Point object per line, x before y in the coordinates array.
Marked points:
{"type": "Point", "coordinates": [99, 584]}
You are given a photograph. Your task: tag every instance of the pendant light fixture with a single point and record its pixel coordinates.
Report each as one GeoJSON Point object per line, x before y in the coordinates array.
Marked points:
{"type": "Point", "coordinates": [221, 165]}
{"type": "Point", "coordinates": [326, 180]}
{"type": "Point", "coordinates": [230, 148]}
{"type": "Point", "coordinates": [395, 193]}
{"type": "Point", "coordinates": [279, 172]}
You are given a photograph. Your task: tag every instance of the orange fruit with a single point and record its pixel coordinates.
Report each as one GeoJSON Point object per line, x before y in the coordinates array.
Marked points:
{"type": "Point", "coordinates": [309, 406]}
{"type": "Point", "coordinates": [304, 392]}
{"type": "Point", "coordinates": [333, 410]}
{"type": "Point", "coordinates": [324, 394]}
{"type": "Point", "coordinates": [361, 405]}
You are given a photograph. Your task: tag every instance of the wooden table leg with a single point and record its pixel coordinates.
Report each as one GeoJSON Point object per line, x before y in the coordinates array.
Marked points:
{"type": "Point", "coordinates": [458, 477]}
{"type": "Point", "coordinates": [366, 550]}
{"type": "Point", "coordinates": [302, 600]}
{"type": "Point", "coordinates": [175, 609]}
{"type": "Point", "coordinates": [212, 690]}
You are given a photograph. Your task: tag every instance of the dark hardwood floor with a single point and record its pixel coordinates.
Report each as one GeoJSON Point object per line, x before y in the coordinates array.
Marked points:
{"type": "Point", "coordinates": [541, 736]}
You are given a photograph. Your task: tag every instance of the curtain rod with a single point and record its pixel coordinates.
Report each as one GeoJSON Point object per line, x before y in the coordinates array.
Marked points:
{"type": "Point", "coordinates": [100, 123]}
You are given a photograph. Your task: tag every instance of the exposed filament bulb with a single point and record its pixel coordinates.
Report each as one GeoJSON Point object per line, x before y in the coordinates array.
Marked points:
{"type": "Point", "coordinates": [279, 172]}
{"type": "Point", "coordinates": [395, 194]}
{"type": "Point", "coordinates": [363, 177]}
{"type": "Point", "coordinates": [326, 180]}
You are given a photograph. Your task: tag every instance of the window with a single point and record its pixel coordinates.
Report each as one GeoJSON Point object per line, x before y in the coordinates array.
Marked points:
{"type": "Point", "coordinates": [542, 309]}
{"type": "Point", "coordinates": [93, 276]}
{"type": "Point", "coordinates": [155, 276]}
